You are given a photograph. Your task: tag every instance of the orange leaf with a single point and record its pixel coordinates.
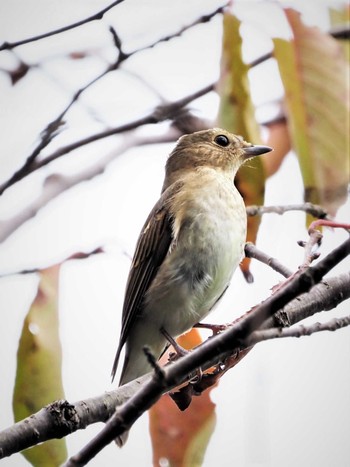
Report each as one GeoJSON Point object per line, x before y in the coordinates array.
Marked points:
{"type": "Point", "coordinates": [181, 437]}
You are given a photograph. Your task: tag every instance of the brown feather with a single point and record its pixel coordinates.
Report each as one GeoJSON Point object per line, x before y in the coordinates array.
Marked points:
{"type": "Point", "coordinates": [151, 249]}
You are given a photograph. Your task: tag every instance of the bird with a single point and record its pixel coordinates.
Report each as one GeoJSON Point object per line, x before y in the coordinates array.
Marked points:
{"type": "Point", "coordinates": [189, 247]}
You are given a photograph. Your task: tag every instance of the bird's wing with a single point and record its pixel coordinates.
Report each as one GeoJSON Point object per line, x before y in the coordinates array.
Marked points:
{"type": "Point", "coordinates": [151, 249]}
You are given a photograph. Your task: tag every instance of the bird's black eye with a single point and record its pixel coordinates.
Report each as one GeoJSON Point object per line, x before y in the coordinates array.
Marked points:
{"type": "Point", "coordinates": [222, 140]}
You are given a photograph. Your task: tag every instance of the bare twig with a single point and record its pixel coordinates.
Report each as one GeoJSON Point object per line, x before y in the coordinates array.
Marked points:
{"type": "Point", "coordinates": [309, 208]}
{"type": "Point", "coordinates": [161, 113]}
{"type": "Point", "coordinates": [251, 251]}
{"type": "Point", "coordinates": [298, 331]}
{"type": "Point", "coordinates": [55, 184]}
{"type": "Point", "coordinates": [77, 255]}
{"type": "Point", "coordinates": [52, 128]}
{"type": "Point", "coordinates": [97, 16]}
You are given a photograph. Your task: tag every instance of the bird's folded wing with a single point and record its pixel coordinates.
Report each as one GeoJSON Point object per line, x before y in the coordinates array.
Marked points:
{"type": "Point", "coordinates": [152, 247]}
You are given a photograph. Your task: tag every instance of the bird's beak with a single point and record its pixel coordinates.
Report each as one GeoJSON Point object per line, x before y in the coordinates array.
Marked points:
{"type": "Point", "coordinates": [252, 151]}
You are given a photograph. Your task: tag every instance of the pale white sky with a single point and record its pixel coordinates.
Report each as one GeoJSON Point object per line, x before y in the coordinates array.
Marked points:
{"type": "Point", "coordinates": [288, 403]}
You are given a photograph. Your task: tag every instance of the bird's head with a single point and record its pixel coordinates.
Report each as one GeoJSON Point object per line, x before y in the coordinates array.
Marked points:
{"type": "Point", "coordinates": [215, 148]}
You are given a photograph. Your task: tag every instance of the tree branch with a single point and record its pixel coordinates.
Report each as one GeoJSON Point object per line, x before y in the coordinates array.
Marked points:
{"type": "Point", "coordinates": [251, 251]}
{"type": "Point", "coordinates": [99, 15]}
{"type": "Point", "coordinates": [298, 331]}
{"type": "Point", "coordinates": [65, 418]}
{"type": "Point", "coordinates": [56, 183]}
{"type": "Point", "coordinates": [218, 346]}
{"type": "Point", "coordinates": [52, 128]}
{"type": "Point", "coordinates": [309, 208]}
{"type": "Point", "coordinates": [161, 113]}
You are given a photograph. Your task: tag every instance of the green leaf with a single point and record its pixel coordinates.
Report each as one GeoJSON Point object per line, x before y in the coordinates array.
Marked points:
{"type": "Point", "coordinates": [314, 72]}
{"type": "Point", "coordinates": [237, 114]}
{"type": "Point", "coordinates": [38, 377]}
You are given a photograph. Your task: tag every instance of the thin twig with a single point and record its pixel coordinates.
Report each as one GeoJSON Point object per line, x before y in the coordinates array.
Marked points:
{"type": "Point", "coordinates": [52, 128]}
{"type": "Point", "coordinates": [251, 251]}
{"type": "Point", "coordinates": [97, 16]}
{"type": "Point", "coordinates": [77, 255]}
{"type": "Point", "coordinates": [298, 331]}
{"type": "Point", "coordinates": [309, 208]}
{"type": "Point", "coordinates": [159, 114]}
{"type": "Point", "coordinates": [55, 184]}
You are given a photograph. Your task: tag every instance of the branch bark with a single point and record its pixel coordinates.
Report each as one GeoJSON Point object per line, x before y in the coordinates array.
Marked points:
{"type": "Point", "coordinates": [61, 418]}
{"type": "Point", "coordinates": [216, 349]}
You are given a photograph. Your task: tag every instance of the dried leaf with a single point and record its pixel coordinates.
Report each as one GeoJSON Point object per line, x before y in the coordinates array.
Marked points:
{"type": "Point", "coordinates": [38, 377]}
{"type": "Point", "coordinates": [315, 75]}
{"type": "Point", "coordinates": [237, 114]}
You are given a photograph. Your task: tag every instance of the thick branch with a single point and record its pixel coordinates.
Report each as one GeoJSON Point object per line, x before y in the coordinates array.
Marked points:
{"type": "Point", "coordinates": [62, 418]}
{"type": "Point", "coordinates": [324, 296]}
{"type": "Point", "coordinates": [66, 418]}
{"type": "Point", "coordinates": [220, 345]}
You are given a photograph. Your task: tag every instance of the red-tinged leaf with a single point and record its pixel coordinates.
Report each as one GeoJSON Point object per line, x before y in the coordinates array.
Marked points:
{"type": "Point", "coordinates": [237, 114]}
{"type": "Point", "coordinates": [315, 75]}
{"type": "Point", "coordinates": [38, 377]}
{"type": "Point", "coordinates": [182, 437]}
{"type": "Point", "coordinates": [278, 139]}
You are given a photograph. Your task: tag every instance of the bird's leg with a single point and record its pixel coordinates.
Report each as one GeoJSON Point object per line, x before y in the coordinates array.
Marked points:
{"type": "Point", "coordinates": [215, 328]}
{"type": "Point", "coordinates": [180, 352]}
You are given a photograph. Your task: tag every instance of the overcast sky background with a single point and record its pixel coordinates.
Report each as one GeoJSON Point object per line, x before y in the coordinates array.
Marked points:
{"type": "Point", "coordinates": [288, 402]}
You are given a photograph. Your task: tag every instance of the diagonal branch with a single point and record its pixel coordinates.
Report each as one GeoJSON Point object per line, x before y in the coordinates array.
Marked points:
{"type": "Point", "coordinates": [251, 251]}
{"type": "Point", "coordinates": [167, 111]}
{"type": "Point", "coordinates": [52, 128]}
{"type": "Point", "coordinates": [62, 418]}
{"type": "Point", "coordinates": [220, 346]}
{"type": "Point", "coordinates": [55, 184]}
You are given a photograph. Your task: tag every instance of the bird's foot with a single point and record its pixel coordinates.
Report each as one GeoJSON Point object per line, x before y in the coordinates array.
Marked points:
{"type": "Point", "coordinates": [180, 352]}
{"type": "Point", "coordinates": [215, 328]}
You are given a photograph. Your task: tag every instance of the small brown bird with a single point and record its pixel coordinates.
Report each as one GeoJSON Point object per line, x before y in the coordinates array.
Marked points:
{"type": "Point", "coordinates": [189, 247]}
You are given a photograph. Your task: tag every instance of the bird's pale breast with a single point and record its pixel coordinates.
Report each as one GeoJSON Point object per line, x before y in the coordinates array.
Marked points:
{"type": "Point", "coordinates": [210, 231]}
